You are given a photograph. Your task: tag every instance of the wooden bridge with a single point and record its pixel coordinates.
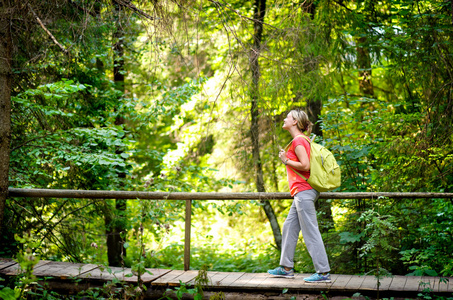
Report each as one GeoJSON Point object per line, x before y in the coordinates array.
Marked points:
{"type": "Point", "coordinates": [70, 278]}
{"type": "Point", "coordinates": [62, 277]}
{"type": "Point", "coordinates": [189, 197]}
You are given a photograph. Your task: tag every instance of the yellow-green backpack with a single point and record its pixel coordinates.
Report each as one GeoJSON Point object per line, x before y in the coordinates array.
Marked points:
{"type": "Point", "coordinates": [325, 173]}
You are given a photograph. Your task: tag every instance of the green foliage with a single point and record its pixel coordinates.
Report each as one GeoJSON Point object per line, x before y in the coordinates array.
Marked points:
{"type": "Point", "coordinates": [25, 280]}
{"type": "Point", "coordinates": [60, 146]}
{"type": "Point", "coordinates": [181, 290]}
{"type": "Point", "coordinates": [431, 253]}
{"type": "Point", "coordinates": [201, 281]}
{"type": "Point", "coordinates": [7, 293]}
{"type": "Point", "coordinates": [377, 230]}
{"type": "Point", "coordinates": [218, 296]}
{"type": "Point", "coordinates": [185, 102]}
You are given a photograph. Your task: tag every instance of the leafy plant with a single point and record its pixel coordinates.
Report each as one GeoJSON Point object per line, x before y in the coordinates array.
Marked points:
{"type": "Point", "coordinates": [377, 231]}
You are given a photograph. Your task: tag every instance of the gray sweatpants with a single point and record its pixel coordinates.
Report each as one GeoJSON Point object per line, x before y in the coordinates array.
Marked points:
{"type": "Point", "coordinates": [302, 216]}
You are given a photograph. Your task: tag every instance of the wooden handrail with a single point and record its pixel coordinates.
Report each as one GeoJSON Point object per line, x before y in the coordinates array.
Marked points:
{"type": "Point", "coordinates": [94, 194]}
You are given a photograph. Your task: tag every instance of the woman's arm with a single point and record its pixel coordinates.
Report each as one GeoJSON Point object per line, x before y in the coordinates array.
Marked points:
{"type": "Point", "coordinates": [304, 163]}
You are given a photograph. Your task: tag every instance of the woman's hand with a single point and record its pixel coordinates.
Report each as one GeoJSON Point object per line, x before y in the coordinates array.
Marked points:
{"type": "Point", "coordinates": [282, 155]}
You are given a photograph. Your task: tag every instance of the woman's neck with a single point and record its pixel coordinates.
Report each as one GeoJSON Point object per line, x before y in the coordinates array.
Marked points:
{"type": "Point", "coordinates": [294, 131]}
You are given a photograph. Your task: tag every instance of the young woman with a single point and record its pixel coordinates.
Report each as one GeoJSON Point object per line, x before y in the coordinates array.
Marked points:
{"type": "Point", "coordinates": [302, 215]}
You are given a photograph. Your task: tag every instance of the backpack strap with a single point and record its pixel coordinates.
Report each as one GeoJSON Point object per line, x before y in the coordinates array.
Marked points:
{"type": "Point", "coordinates": [300, 175]}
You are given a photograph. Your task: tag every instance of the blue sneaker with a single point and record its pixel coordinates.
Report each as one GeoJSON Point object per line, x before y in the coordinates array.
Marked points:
{"type": "Point", "coordinates": [318, 278]}
{"type": "Point", "coordinates": [281, 272]}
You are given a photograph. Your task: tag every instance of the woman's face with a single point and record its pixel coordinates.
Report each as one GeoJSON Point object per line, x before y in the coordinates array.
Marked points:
{"type": "Point", "coordinates": [288, 121]}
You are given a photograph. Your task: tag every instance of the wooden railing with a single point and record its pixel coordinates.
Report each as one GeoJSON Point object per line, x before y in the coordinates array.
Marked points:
{"type": "Point", "coordinates": [188, 197]}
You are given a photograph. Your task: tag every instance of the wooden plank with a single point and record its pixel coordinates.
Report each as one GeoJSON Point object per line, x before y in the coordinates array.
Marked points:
{"type": "Point", "coordinates": [444, 283]}
{"type": "Point", "coordinates": [211, 275]}
{"type": "Point", "coordinates": [146, 277]}
{"type": "Point", "coordinates": [301, 276]}
{"type": "Point", "coordinates": [298, 282]}
{"type": "Point", "coordinates": [163, 280]}
{"type": "Point", "coordinates": [355, 282]}
{"type": "Point", "coordinates": [62, 270]}
{"type": "Point", "coordinates": [6, 262]}
{"type": "Point", "coordinates": [123, 274]}
{"type": "Point", "coordinates": [274, 283]}
{"type": "Point", "coordinates": [369, 284]}
{"type": "Point", "coordinates": [333, 278]}
{"type": "Point", "coordinates": [215, 277]}
{"type": "Point", "coordinates": [15, 269]}
{"type": "Point", "coordinates": [385, 283]}
{"type": "Point", "coordinates": [437, 284]}
{"type": "Point", "coordinates": [231, 278]}
{"type": "Point", "coordinates": [109, 273]}
{"type": "Point", "coordinates": [257, 279]}
{"type": "Point", "coordinates": [341, 282]}
{"type": "Point", "coordinates": [243, 280]}
{"type": "Point", "coordinates": [155, 274]}
{"type": "Point", "coordinates": [412, 283]}
{"type": "Point", "coordinates": [183, 277]}
{"type": "Point", "coordinates": [429, 283]}
{"type": "Point", "coordinates": [398, 283]}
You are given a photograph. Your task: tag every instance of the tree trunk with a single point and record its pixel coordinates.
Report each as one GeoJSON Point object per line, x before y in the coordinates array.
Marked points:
{"type": "Point", "coordinates": [113, 258]}
{"type": "Point", "coordinates": [5, 106]}
{"type": "Point", "coordinates": [451, 11]}
{"type": "Point", "coordinates": [364, 66]}
{"type": "Point", "coordinates": [115, 223]}
{"type": "Point", "coordinates": [274, 165]}
{"type": "Point", "coordinates": [314, 108]}
{"type": "Point", "coordinates": [259, 12]}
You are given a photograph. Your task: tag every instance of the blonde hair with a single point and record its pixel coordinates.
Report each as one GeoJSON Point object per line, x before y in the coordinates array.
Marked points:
{"type": "Point", "coordinates": [303, 123]}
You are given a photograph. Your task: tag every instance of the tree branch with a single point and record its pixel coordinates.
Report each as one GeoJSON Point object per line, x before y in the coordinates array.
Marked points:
{"type": "Point", "coordinates": [340, 2]}
{"type": "Point", "coordinates": [82, 8]}
{"type": "Point", "coordinates": [47, 31]}
{"type": "Point", "coordinates": [61, 220]}
{"type": "Point", "coordinates": [31, 140]}
{"type": "Point", "coordinates": [128, 4]}
{"type": "Point", "coordinates": [236, 12]}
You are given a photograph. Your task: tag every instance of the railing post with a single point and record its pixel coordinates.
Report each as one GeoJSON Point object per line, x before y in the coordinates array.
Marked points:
{"type": "Point", "coordinates": [187, 235]}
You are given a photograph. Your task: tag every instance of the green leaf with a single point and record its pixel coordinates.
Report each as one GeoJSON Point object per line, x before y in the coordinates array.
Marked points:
{"type": "Point", "coordinates": [349, 237]}
{"type": "Point", "coordinates": [7, 294]}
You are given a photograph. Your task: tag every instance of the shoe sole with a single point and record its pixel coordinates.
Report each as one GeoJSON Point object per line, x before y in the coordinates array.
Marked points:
{"type": "Point", "coordinates": [319, 281]}
{"type": "Point", "coordinates": [282, 276]}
